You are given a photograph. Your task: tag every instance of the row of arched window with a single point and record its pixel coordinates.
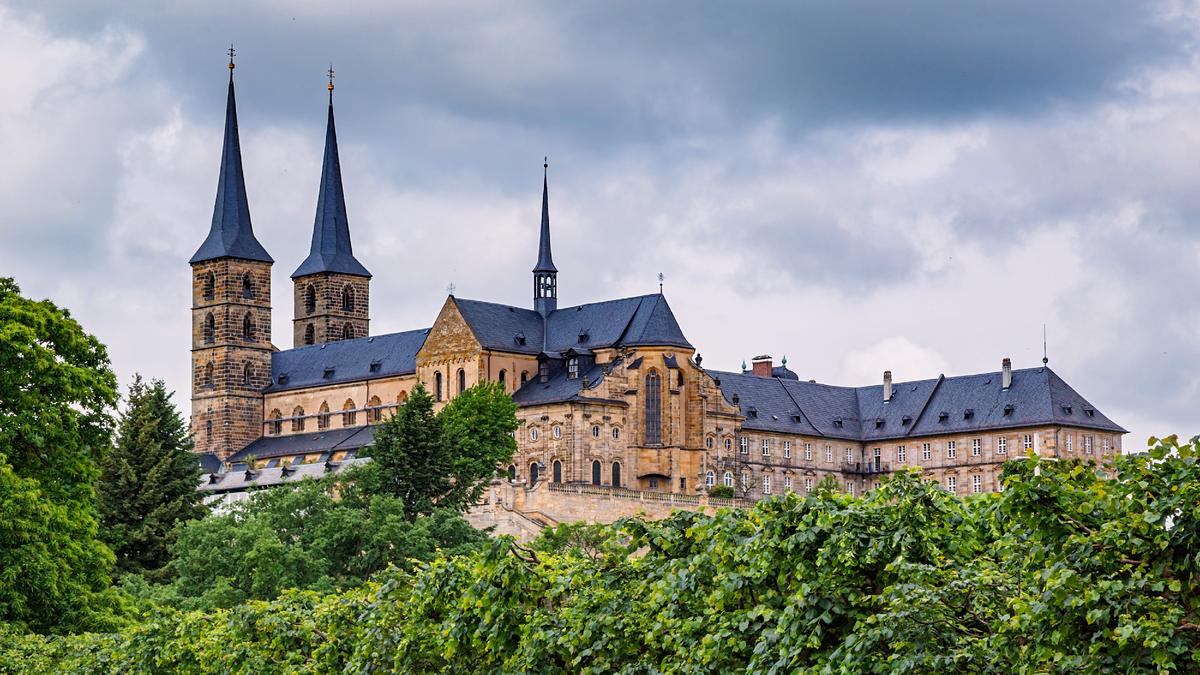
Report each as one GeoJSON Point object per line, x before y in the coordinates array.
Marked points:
{"type": "Point", "coordinates": [310, 299]}
{"type": "Point", "coordinates": [461, 376]}
{"type": "Point", "coordinates": [208, 286]}
{"type": "Point", "coordinates": [556, 475]}
{"type": "Point", "coordinates": [209, 329]}
{"type": "Point", "coordinates": [324, 416]}
{"type": "Point", "coordinates": [345, 332]}
{"type": "Point", "coordinates": [208, 374]}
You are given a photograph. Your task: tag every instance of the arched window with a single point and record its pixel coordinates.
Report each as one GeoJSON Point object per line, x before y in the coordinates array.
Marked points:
{"type": "Point", "coordinates": [462, 380]}
{"type": "Point", "coordinates": [210, 328]}
{"type": "Point", "coordinates": [276, 426]}
{"type": "Point", "coordinates": [247, 375]}
{"type": "Point", "coordinates": [533, 434]}
{"type": "Point", "coordinates": [557, 431]}
{"type": "Point", "coordinates": [616, 474]}
{"type": "Point", "coordinates": [310, 299]}
{"type": "Point", "coordinates": [208, 375]}
{"type": "Point", "coordinates": [653, 408]}
{"type": "Point", "coordinates": [375, 414]}
{"type": "Point", "coordinates": [501, 378]}
{"type": "Point", "coordinates": [209, 286]}
{"type": "Point", "coordinates": [402, 398]}
{"type": "Point", "coordinates": [524, 376]}
{"type": "Point", "coordinates": [347, 332]}
{"type": "Point", "coordinates": [679, 379]}
{"type": "Point", "coordinates": [348, 299]}
{"type": "Point", "coordinates": [349, 417]}
{"type": "Point", "coordinates": [533, 474]}
{"type": "Point", "coordinates": [297, 419]}
{"type": "Point", "coordinates": [323, 416]}
{"type": "Point", "coordinates": [248, 327]}
{"type": "Point", "coordinates": [208, 430]}
{"type": "Point", "coordinates": [557, 471]}
{"type": "Point", "coordinates": [710, 479]}
{"type": "Point", "coordinates": [512, 472]}
{"type": "Point", "coordinates": [310, 334]}
{"type": "Point", "coordinates": [437, 386]}
{"type": "Point", "coordinates": [728, 479]}
{"type": "Point", "coordinates": [596, 472]}
{"type": "Point", "coordinates": [616, 433]}
{"type": "Point", "coordinates": [247, 286]}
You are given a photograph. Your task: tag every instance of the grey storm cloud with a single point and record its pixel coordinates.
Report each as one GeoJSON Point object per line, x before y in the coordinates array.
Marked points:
{"type": "Point", "coordinates": [856, 184]}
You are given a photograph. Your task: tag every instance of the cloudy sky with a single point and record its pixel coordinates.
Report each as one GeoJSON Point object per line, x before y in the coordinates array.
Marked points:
{"type": "Point", "coordinates": [857, 185]}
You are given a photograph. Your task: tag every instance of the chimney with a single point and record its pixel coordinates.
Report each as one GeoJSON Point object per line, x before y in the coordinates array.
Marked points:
{"type": "Point", "coordinates": [762, 365]}
{"type": "Point", "coordinates": [1006, 374]}
{"type": "Point", "coordinates": [887, 386]}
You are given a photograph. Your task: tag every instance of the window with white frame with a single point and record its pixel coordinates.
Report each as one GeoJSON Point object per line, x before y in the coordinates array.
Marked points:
{"type": "Point", "coordinates": [558, 432]}
{"type": "Point", "coordinates": [745, 445]}
{"type": "Point", "coordinates": [900, 455]}
{"type": "Point", "coordinates": [951, 484]}
{"type": "Point", "coordinates": [976, 484]}
{"type": "Point", "coordinates": [533, 434]}
{"type": "Point", "coordinates": [877, 484]}
{"type": "Point", "coordinates": [1106, 446]}
{"type": "Point", "coordinates": [728, 479]}
{"type": "Point", "coordinates": [1028, 441]}
{"type": "Point", "coordinates": [849, 455]}
{"type": "Point", "coordinates": [807, 485]}
{"type": "Point", "coordinates": [976, 446]}
{"type": "Point", "coordinates": [950, 449]}
{"type": "Point", "coordinates": [766, 485]}
{"type": "Point", "coordinates": [999, 485]}
{"type": "Point", "coordinates": [926, 453]}
{"type": "Point", "coordinates": [1002, 446]}
{"type": "Point", "coordinates": [728, 444]}
{"type": "Point", "coordinates": [878, 457]}
{"type": "Point", "coordinates": [1070, 443]}
{"type": "Point", "coordinates": [709, 442]}
{"type": "Point", "coordinates": [787, 449]}
{"type": "Point", "coordinates": [787, 483]}
{"type": "Point", "coordinates": [745, 481]}
{"type": "Point", "coordinates": [829, 454]}
{"type": "Point", "coordinates": [710, 479]}
{"type": "Point", "coordinates": [808, 452]}
{"type": "Point", "coordinates": [850, 488]}
{"type": "Point", "coordinates": [766, 447]}
{"type": "Point", "coordinates": [1087, 445]}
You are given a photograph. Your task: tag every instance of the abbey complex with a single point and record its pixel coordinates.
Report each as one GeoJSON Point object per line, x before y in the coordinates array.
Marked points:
{"type": "Point", "coordinates": [613, 398]}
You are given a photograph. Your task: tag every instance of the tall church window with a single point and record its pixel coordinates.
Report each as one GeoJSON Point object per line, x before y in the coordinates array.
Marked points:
{"type": "Point", "coordinates": [462, 380]}
{"type": "Point", "coordinates": [297, 419]}
{"type": "Point", "coordinates": [347, 332]}
{"type": "Point", "coordinates": [375, 414]}
{"type": "Point", "coordinates": [276, 427]}
{"type": "Point", "coordinates": [512, 472]}
{"type": "Point", "coordinates": [323, 416]}
{"type": "Point", "coordinates": [210, 328]}
{"type": "Point", "coordinates": [247, 375]}
{"type": "Point", "coordinates": [437, 386]}
{"type": "Point", "coordinates": [247, 286]}
{"type": "Point", "coordinates": [596, 472]}
{"type": "Point", "coordinates": [616, 474]}
{"type": "Point", "coordinates": [310, 299]}
{"type": "Point", "coordinates": [209, 286]}
{"type": "Point", "coordinates": [310, 334]}
{"type": "Point", "coordinates": [248, 327]}
{"type": "Point", "coordinates": [349, 416]}
{"type": "Point", "coordinates": [572, 368]}
{"type": "Point", "coordinates": [557, 471]}
{"type": "Point", "coordinates": [533, 474]}
{"type": "Point", "coordinates": [348, 299]}
{"type": "Point", "coordinates": [653, 408]}
{"type": "Point", "coordinates": [501, 378]}
{"type": "Point", "coordinates": [208, 375]}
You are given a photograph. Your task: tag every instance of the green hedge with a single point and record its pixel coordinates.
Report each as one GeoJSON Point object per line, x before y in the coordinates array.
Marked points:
{"type": "Point", "coordinates": [1063, 572]}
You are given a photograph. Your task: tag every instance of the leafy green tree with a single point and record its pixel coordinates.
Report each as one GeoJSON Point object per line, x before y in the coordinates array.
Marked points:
{"type": "Point", "coordinates": [148, 482]}
{"type": "Point", "coordinates": [57, 394]}
{"type": "Point", "coordinates": [722, 492]}
{"type": "Point", "coordinates": [591, 540]}
{"type": "Point", "coordinates": [444, 461]}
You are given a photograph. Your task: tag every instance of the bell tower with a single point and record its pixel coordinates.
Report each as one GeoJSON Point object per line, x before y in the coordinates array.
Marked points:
{"type": "Point", "coordinates": [231, 313]}
{"type": "Point", "coordinates": [545, 275]}
{"type": "Point", "coordinates": [331, 288]}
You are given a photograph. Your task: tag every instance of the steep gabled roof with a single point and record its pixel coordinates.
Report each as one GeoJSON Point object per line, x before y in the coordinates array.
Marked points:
{"type": "Point", "coordinates": [331, 250]}
{"type": "Point", "coordinates": [346, 361]}
{"type": "Point", "coordinates": [498, 326]}
{"type": "Point", "coordinates": [231, 235]}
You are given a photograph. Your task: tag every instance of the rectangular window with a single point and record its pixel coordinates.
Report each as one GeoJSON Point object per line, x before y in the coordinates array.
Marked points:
{"type": "Point", "coordinates": [877, 486]}
{"type": "Point", "coordinates": [808, 450]}
{"type": "Point", "coordinates": [1106, 446]}
{"type": "Point", "coordinates": [787, 483]}
{"type": "Point", "coordinates": [787, 449]}
{"type": "Point", "coordinates": [1028, 441]}
{"type": "Point", "coordinates": [950, 449]}
{"type": "Point", "coordinates": [1002, 446]}
{"type": "Point", "coordinates": [925, 452]}
{"type": "Point", "coordinates": [682, 483]}
{"type": "Point", "coordinates": [976, 484]}
{"type": "Point", "coordinates": [850, 488]}
{"type": "Point", "coordinates": [745, 445]}
{"type": "Point", "coordinates": [766, 485]}
{"type": "Point", "coordinates": [878, 459]}
{"type": "Point", "coordinates": [900, 455]}
{"type": "Point", "coordinates": [1087, 445]}
{"type": "Point", "coordinates": [976, 444]}
{"type": "Point", "coordinates": [849, 455]}
{"type": "Point", "coordinates": [950, 484]}
{"type": "Point", "coordinates": [829, 453]}
{"type": "Point", "coordinates": [766, 447]}
{"type": "Point", "coordinates": [1070, 443]}
{"type": "Point", "coordinates": [807, 485]}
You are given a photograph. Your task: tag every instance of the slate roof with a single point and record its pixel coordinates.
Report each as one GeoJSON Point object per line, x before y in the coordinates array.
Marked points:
{"type": "Point", "coordinates": [559, 389]}
{"type": "Point", "coordinates": [332, 440]}
{"type": "Point", "coordinates": [237, 481]}
{"type": "Point", "coordinates": [545, 262]}
{"type": "Point", "coordinates": [1038, 396]}
{"type": "Point", "coordinates": [630, 322]}
{"type": "Point", "coordinates": [209, 462]}
{"type": "Point", "coordinates": [331, 250]}
{"type": "Point", "coordinates": [351, 360]}
{"type": "Point", "coordinates": [231, 235]}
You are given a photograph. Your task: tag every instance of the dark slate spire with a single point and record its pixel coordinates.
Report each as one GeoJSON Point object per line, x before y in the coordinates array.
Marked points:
{"type": "Point", "coordinates": [231, 235]}
{"type": "Point", "coordinates": [331, 251]}
{"type": "Point", "coordinates": [545, 262]}
{"type": "Point", "coordinates": [545, 276]}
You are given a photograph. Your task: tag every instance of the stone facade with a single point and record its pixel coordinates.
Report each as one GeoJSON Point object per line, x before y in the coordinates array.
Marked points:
{"type": "Point", "coordinates": [330, 306]}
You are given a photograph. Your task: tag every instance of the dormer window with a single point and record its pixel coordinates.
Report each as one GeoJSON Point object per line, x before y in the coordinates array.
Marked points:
{"type": "Point", "coordinates": [519, 338]}
{"type": "Point", "coordinates": [968, 413]}
{"type": "Point", "coordinates": [906, 420]}
{"type": "Point", "coordinates": [544, 371]}
{"type": "Point", "coordinates": [329, 373]}
{"type": "Point", "coordinates": [879, 423]}
{"type": "Point", "coordinates": [1008, 409]}
{"type": "Point", "coordinates": [282, 379]}
{"type": "Point", "coordinates": [752, 411]}
{"type": "Point", "coordinates": [943, 416]}
{"type": "Point", "coordinates": [837, 422]}
{"type": "Point", "coordinates": [375, 366]}
{"type": "Point", "coordinates": [1091, 412]}
{"type": "Point", "coordinates": [572, 368]}
{"type": "Point", "coordinates": [735, 399]}
{"type": "Point", "coordinates": [797, 419]}
{"type": "Point", "coordinates": [583, 336]}
{"type": "Point", "coordinates": [1066, 407]}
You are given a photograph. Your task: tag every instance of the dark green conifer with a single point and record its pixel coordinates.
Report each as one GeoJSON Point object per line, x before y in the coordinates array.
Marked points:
{"type": "Point", "coordinates": [148, 482]}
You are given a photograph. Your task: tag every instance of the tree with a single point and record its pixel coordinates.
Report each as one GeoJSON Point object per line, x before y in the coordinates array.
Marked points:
{"type": "Point", "coordinates": [444, 461]}
{"type": "Point", "coordinates": [148, 482]}
{"type": "Point", "coordinates": [57, 393]}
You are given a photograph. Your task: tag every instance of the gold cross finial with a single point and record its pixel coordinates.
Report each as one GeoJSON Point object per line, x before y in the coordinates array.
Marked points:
{"type": "Point", "coordinates": [231, 56]}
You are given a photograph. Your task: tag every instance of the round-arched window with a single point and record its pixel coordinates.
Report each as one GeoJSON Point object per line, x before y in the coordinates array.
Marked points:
{"type": "Point", "coordinates": [533, 434]}
{"type": "Point", "coordinates": [557, 471]}
{"type": "Point", "coordinates": [710, 479]}
{"type": "Point", "coordinates": [533, 474]}
{"type": "Point", "coordinates": [596, 472]}
{"type": "Point", "coordinates": [728, 479]}
{"type": "Point", "coordinates": [709, 442]}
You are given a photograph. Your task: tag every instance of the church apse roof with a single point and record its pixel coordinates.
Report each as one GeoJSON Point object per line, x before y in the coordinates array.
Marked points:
{"type": "Point", "coordinates": [366, 358]}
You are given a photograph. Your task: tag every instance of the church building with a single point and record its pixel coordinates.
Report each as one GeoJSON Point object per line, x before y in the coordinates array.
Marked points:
{"type": "Point", "coordinates": [611, 394]}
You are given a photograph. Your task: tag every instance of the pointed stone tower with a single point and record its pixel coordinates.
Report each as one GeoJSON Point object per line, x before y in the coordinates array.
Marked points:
{"type": "Point", "coordinates": [231, 313]}
{"type": "Point", "coordinates": [332, 289]}
{"type": "Point", "coordinates": [545, 275]}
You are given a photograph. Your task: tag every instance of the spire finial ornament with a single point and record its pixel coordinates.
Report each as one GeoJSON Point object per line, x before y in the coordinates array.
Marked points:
{"type": "Point", "coordinates": [1045, 355]}
{"type": "Point", "coordinates": [660, 282]}
{"type": "Point", "coordinates": [231, 62]}
{"type": "Point", "coordinates": [331, 84]}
